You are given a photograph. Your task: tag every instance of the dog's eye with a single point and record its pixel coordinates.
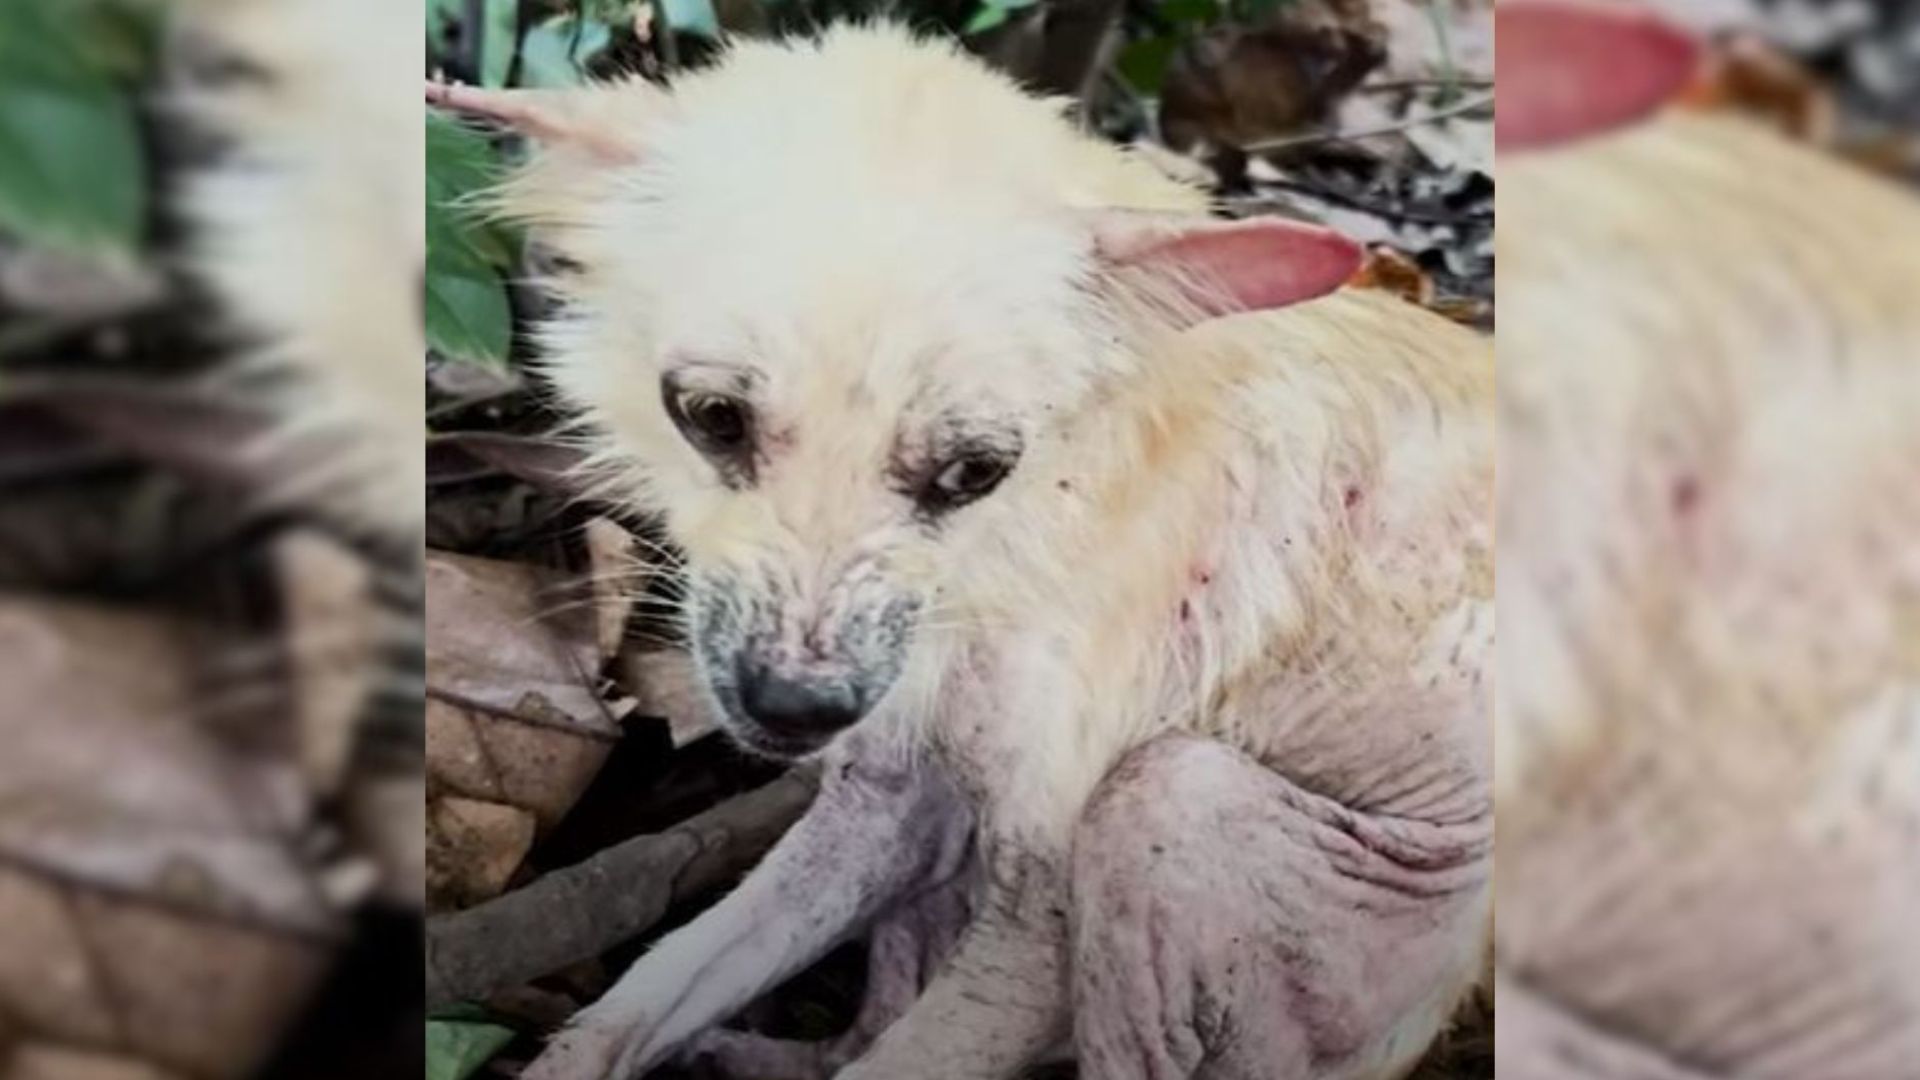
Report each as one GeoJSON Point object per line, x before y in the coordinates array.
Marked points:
{"type": "Point", "coordinates": [714, 423]}
{"type": "Point", "coordinates": [966, 478]}
{"type": "Point", "coordinates": [722, 421]}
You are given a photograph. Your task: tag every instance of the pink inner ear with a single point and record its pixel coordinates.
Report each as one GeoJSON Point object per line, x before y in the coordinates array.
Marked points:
{"type": "Point", "coordinates": [1251, 265]}
{"type": "Point", "coordinates": [537, 114]}
{"type": "Point", "coordinates": [1568, 68]}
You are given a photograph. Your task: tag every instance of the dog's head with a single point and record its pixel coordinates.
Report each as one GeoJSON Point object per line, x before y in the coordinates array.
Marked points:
{"type": "Point", "coordinates": [832, 326]}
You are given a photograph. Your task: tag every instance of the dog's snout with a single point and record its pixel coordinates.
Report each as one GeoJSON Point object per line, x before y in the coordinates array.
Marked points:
{"type": "Point", "coordinates": [795, 707]}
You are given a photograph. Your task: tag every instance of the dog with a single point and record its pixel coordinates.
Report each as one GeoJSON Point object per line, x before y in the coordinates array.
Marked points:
{"type": "Point", "coordinates": [1130, 579]}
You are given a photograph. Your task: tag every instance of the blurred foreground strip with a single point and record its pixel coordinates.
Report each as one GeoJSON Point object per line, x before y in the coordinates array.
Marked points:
{"type": "Point", "coordinates": [1709, 713]}
{"type": "Point", "coordinates": [210, 694]}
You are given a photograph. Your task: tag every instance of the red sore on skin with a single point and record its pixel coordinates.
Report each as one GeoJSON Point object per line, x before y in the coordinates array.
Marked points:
{"type": "Point", "coordinates": [1686, 495]}
{"type": "Point", "coordinates": [1570, 68]}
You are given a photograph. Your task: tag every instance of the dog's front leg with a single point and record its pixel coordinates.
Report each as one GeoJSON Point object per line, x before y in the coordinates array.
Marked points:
{"type": "Point", "coordinates": [879, 828]}
{"type": "Point", "coordinates": [1000, 1004]}
{"type": "Point", "coordinates": [907, 947]}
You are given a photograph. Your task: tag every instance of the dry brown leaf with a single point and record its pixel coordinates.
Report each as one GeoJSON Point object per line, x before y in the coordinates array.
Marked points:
{"type": "Point", "coordinates": [473, 848]}
{"type": "Point", "coordinates": [332, 630]}
{"type": "Point", "coordinates": [97, 693]}
{"type": "Point", "coordinates": [515, 718]}
{"type": "Point", "coordinates": [1750, 76]}
{"type": "Point", "coordinates": [386, 819]}
{"type": "Point", "coordinates": [1389, 269]}
{"type": "Point", "coordinates": [498, 630]}
{"type": "Point", "coordinates": [668, 685]}
{"type": "Point", "coordinates": [207, 996]}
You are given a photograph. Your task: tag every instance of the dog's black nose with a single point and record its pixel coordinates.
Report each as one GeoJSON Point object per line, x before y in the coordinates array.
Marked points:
{"type": "Point", "coordinates": [797, 708]}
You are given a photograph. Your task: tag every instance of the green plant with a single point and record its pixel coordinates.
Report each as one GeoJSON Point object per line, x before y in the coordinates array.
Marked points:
{"type": "Point", "coordinates": [460, 1041]}
{"type": "Point", "coordinates": [73, 169]}
{"type": "Point", "coordinates": [1161, 28]}
{"type": "Point", "coordinates": [467, 313]}
{"type": "Point", "coordinates": [993, 13]}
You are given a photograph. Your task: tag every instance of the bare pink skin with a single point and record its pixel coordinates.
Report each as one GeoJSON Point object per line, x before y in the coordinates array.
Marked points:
{"type": "Point", "coordinates": [1221, 923]}
{"type": "Point", "coordinates": [1229, 924]}
{"type": "Point", "coordinates": [1224, 923]}
{"type": "Point", "coordinates": [906, 948]}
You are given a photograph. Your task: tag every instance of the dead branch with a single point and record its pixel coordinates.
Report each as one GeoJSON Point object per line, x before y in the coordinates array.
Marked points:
{"type": "Point", "coordinates": [1472, 104]}
{"type": "Point", "coordinates": [572, 914]}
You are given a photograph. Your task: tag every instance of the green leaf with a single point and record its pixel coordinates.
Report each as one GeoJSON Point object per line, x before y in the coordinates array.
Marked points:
{"type": "Point", "coordinates": [988, 17]}
{"type": "Point", "coordinates": [459, 159]}
{"type": "Point", "coordinates": [609, 11]}
{"type": "Point", "coordinates": [440, 12]}
{"type": "Point", "coordinates": [461, 162]}
{"type": "Point", "coordinates": [119, 38]}
{"type": "Point", "coordinates": [38, 44]}
{"type": "Point", "coordinates": [692, 17]}
{"type": "Point", "coordinates": [1144, 63]}
{"type": "Point", "coordinates": [552, 57]}
{"type": "Point", "coordinates": [456, 1049]}
{"type": "Point", "coordinates": [1256, 10]}
{"type": "Point", "coordinates": [496, 41]}
{"type": "Point", "coordinates": [1186, 12]}
{"type": "Point", "coordinates": [78, 42]}
{"type": "Point", "coordinates": [993, 13]}
{"type": "Point", "coordinates": [468, 317]}
{"type": "Point", "coordinates": [72, 170]}
{"type": "Point", "coordinates": [442, 15]}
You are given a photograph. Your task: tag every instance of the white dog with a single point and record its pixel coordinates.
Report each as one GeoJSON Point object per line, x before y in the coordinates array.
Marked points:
{"type": "Point", "coordinates": [1137, 601]}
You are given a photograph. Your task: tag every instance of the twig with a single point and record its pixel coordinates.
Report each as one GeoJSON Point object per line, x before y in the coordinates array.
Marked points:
{"type": "Point", "coordinates": [1390, 85]}
{"type": "Point", "coordinates": [572, 914]}
{"type": "Point", "coordinates": [1354, 202]}
{"type": "Point", "coordinates": [1448, 71]}
{"type": "Point", "coordinates": [1287, 142]}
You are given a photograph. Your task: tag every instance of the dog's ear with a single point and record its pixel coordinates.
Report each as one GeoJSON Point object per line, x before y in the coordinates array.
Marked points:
{"type": "Point", "coordinates": [584, 139]}
{"type": "Point", "coordinates": [1221, 267]}
{"type": "Point", "coordinates": [1571, 68]}
{"type": "Point", "coordinates": [606, 122]}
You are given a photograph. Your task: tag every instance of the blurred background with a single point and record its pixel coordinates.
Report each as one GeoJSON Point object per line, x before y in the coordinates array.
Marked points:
{"type": "Point", "coordinates": [1708, 723]}
{"type": "Point", "coordinates": [210, 763]}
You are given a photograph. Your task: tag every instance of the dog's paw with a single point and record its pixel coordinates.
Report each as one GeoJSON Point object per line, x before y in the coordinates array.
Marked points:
{"type": "Point", "coordinates": [581, 1052]}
